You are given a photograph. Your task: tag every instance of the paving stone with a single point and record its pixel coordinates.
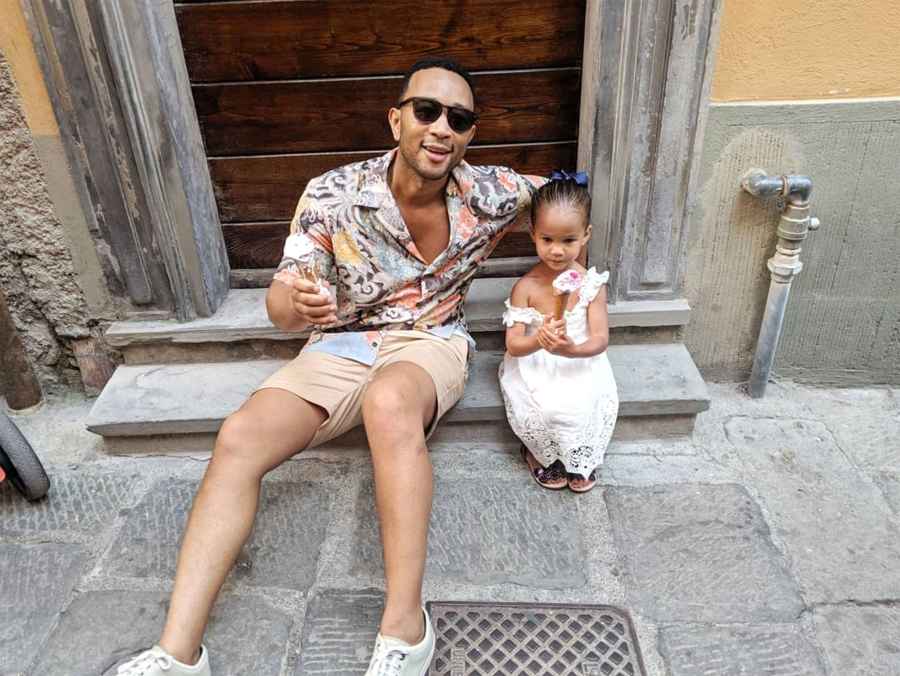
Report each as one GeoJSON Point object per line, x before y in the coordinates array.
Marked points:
{"type": "Point", "coordinates": [502, 531]}
{"type": "Point", "coordinates": [700, 553]}
{"type": "Point", "coordinates": [282, 552]}
{"type": "Point", "coordinates": [890, 487]}
{"type": "Point", "coordinates": [35, 581]}
{"type": "Point", "coordinates": [653, 447]}
{"type": "Point", "coordinates": [101, 629]}
{"type": "Point", "coordinates": [56, 430]}
{"type": "Point", "coordinates": [730, 399]}
{"type": "Point", "coordinates": [761, 650]}
{"type": "Point", "coordinates": [637, 470]}
{"type": "Point", "coordinates": [339, 632]}
{"type": "Point", "coordinates": [865, 422]}
{"type": "Point", "coordinates": [810, 488]}
{"type": "Point", "coordinates": [859, 640]}
{"type": "Point", "coordinates": [76, 503]}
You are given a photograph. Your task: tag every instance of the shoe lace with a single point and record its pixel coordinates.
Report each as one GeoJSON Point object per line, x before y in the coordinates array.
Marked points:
{"type": "Point", "coordinates": [386, 662]}
{"type": "Point", "coordinates": [143, 663]}
{"type": "Point", "coordinates": [392, 664]}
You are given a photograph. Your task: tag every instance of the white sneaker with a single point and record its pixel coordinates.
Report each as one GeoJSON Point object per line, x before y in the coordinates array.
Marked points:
{"type": "Point", "coordinates": [393, 657]}
{"type": "Point", "coordinates": [157, 662]}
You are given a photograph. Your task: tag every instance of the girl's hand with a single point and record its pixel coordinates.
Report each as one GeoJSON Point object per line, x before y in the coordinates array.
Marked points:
{"type": "Point", "coordinates": [567, 349]}
{"type": "Point", "coordinates": [552, 337]}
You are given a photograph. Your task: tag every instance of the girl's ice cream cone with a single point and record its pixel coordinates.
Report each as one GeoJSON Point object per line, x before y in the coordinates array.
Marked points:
{"type": "Point", "coordinates": [562, 302]}
{"type": "Point", "coordinates": [563, 286]}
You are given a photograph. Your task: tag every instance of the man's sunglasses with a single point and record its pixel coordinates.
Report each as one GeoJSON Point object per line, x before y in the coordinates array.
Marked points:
{"type": "Point", "coordinates": [427, 111]}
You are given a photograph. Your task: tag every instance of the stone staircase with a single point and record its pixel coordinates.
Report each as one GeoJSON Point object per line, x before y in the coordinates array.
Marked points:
{"type": "Point", "coordinates": [181, 380]}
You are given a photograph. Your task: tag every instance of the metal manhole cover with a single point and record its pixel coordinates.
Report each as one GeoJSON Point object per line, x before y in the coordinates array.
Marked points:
{"type": "Point", "coordinates": [487, 639]}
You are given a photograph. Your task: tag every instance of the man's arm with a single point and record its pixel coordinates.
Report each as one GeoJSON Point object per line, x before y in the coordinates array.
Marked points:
{"type": "Point", "coordinates": [292, 302]}
{"type": "Point", "coordinates": [527, 185]}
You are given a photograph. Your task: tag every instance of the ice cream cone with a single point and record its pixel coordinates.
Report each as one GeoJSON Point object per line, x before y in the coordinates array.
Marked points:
{"type": "Point", "coordinates": [308, 273]}
{"type": "Point", "coordinates": [562, 302]}
{"type": "Point", "coordinates": [299, 258]}
{"type": "Point", "coordinates": [563, 286]}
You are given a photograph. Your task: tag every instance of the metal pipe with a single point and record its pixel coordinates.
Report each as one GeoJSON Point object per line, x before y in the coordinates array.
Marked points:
{"type": "Point", "coordinates": [793, 227]}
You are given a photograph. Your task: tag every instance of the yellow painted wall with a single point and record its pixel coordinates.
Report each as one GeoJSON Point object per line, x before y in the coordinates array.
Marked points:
{"type": "Point", "coordinates": [17, 47]}
{"type": "Point", "coordinates": [58, 179]}
{"type": "Point", "coordinates": [816, 49]}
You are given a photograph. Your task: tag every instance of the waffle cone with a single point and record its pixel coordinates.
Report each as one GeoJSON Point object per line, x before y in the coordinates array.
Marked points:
{"type": "Point", "coordinates": [307, 274]}
{"type": "Point", "coordinates": [562, 300]}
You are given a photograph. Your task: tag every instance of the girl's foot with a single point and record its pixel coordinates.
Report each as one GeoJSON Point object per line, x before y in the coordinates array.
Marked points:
{"type": "Point", "coordinates": [552, 477]}
{"type": "Point", "coordinates": [581, 485]}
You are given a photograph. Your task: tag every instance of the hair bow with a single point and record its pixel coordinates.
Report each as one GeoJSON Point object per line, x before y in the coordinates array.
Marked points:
{"type": "Point", "coordinates": [580, 177]}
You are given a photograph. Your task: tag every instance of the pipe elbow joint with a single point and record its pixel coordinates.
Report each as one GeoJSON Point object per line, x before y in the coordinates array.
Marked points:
{"type": "Point", "coordinates": [799, 186]}
{"type": "Point", "coordinates": [795, 187]}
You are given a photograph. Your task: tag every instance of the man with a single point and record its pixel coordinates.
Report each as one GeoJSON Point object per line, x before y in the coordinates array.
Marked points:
{"type": "Point", "coordinates": [396, 242]}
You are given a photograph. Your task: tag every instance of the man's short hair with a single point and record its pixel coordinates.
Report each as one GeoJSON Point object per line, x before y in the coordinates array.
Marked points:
{"type": "Point", "coordinates": [437, 62]}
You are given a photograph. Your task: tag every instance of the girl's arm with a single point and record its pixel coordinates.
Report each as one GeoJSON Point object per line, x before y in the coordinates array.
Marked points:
{"type": "Point", "coordinates": [598, 329]}
{"type": "Point", "coordinates": [517, 343]}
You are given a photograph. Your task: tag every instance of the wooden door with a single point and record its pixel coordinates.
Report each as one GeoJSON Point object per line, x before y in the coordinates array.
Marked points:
{"type": "Point", "coordinates": [288, 89]}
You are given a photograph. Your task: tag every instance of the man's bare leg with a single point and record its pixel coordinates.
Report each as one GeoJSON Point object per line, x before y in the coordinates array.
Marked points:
{"type": "Point", "coordinates": [268, 429]}
{"type": "Point", "coordinates": [398, 405]}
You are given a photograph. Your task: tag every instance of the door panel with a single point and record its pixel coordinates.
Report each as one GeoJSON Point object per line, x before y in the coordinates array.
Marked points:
{"type": "Point", "coordinates": [287, 90]}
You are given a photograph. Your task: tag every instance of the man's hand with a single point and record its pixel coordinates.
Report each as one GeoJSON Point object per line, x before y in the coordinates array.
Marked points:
{"type": "Point", "coordinates": [313, 303]}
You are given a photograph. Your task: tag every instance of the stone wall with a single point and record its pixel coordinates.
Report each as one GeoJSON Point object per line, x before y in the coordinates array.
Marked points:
{"type": "Point", "coordinates": [842, 324]}
{"type": "Point", "coordinates": [36, 268]}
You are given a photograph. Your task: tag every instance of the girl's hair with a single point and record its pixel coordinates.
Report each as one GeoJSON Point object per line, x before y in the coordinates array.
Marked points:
{"type": "Point", "coordinates": [562, 192]}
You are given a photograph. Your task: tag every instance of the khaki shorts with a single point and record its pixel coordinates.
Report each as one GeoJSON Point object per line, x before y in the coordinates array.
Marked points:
{"type": "Point", "coordinates": [338, 384]}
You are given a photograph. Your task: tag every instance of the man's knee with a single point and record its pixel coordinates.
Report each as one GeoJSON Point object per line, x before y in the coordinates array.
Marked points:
{"type": "Point", "coordinates": [237, 439]}
{"type": "Point", "coordinates": [398, 400]}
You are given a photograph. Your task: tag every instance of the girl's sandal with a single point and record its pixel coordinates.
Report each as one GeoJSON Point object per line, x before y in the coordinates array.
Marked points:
{"type": "Point", "coordinates": [579, 484]}
{"type": "Point", "coordinates": [552, 477]}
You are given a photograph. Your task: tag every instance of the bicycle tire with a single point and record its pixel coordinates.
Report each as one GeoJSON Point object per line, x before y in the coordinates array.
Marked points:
{"type": "Point", "coordinates": [29, 476]}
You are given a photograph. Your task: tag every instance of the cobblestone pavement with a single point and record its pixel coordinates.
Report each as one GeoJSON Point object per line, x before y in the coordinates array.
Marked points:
{"type": "Point", "coordinates": [767, 544]}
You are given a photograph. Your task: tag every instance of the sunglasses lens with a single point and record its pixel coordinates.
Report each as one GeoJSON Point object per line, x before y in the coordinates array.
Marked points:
{"type": "Point", "coordinates": [460, 120]}
{"type": "Point", "coordinates": [426, 111]}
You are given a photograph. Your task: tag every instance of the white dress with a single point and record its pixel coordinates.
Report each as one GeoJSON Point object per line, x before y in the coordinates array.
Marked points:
{"type": "Point", "coordinates": [562, 408]}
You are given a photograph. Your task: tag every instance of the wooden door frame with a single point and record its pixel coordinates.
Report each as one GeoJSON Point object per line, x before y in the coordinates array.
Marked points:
{"type": "Point", "coordinates": [646, 71]}
{"type": "Point", "coordinates": [117, 78]}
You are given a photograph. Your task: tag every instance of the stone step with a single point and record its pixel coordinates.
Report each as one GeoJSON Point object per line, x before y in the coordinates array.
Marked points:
{"type": "Point", "coordinates": [242, 317]}
{"type": "Point", "coordinates": [657, 384]}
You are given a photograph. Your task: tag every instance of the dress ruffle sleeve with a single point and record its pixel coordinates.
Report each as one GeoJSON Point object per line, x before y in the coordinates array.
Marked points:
{"type": "Point", "coordinates": [593, 282]}
{"type": "Point", "coordinates": [522, 315]}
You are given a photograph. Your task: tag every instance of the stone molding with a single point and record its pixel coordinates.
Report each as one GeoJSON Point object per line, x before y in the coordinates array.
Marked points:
{"type": "Point", "coordinates": [647, 69]}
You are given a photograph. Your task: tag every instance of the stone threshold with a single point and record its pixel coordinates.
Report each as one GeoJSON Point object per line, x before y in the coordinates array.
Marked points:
{"type": "Point", "coordinates": [243, 317]}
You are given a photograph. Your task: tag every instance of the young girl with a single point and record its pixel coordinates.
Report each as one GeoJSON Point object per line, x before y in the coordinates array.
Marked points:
{"type": "Point", "coordinates": [557, 383]}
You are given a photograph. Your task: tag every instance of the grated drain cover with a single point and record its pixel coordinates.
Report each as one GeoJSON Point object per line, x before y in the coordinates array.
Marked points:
{"type": "Point", "coordinates": [487, 639]}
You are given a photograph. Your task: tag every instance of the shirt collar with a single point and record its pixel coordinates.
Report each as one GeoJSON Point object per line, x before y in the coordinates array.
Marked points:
{"type": "Point", "coordinates": [373, 190]}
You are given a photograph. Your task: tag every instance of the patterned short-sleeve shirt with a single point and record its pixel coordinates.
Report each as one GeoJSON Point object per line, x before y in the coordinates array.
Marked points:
{"type": "Point", "coordinates": [364, 249]}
